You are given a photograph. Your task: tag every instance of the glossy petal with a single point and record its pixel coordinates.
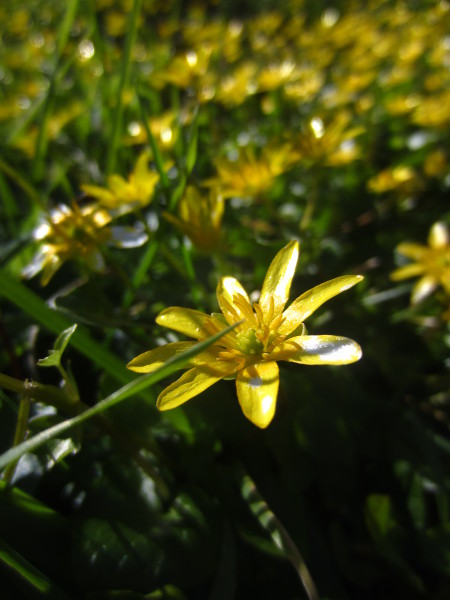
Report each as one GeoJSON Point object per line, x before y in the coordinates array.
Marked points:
{"type": "Point", "coordinates": [322, 350]}
{"type": "Point", "coordinates": [439, 236]}
{"type": "Point", "coordinates": [190, 384]}
{"type": "Point", "coordinates": [310, 301]}
{"type": "Point", "coordinates": [423, 288]}
{"type": "Point", "coordinates": [184, 320]}
{"type": "Point", "coordinates": [153, 359]}
{"type": "Point", "coordinates": [257, 390]}
{"type": "Point", "coordinates": [128, 237]}
{"type": "Point", "coordinates": [227, 288]}
{"type": "Point", "coordinates": [277, 282]}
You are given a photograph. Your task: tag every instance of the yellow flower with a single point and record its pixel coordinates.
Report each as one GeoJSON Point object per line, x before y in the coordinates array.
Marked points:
{"type": "Point", "coordinates": [74, 232]}
{"type": "Point", "coordinates": [250, 175]}
{"type": "Point", "coordinates": [331, 143]}
{"type": "Point", "coordinates": [432, 263]}
{"type": "Point", "coordinates": [68, 233]}
{"type": "Point", "coordinates": [400, 178]}
{"type": "Point", "coordinates": [124, 196]}
{"type": "Point", "coordinates": [266, 332]}
{"type": "Point", "coordinates": [200, 217]}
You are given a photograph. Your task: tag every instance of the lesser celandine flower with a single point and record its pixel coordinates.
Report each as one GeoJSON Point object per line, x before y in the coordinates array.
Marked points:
{"type": "Point", "coordinates": [200, 217]}
{"type": "Point", "coordinates": [253, 174]}
{"type": "Point", "coordinates": [431, 263]}
{"type": "Point", "coordinates": [74, 232]}
{"type": "Point", "coordinates": [121, 195]}
{"type": "Point", "coordinates": [266, 332]}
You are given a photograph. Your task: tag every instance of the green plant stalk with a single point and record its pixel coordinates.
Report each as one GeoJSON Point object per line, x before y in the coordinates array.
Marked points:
{"type": "Point", "coordinates": [131, 389]}
{"type": "Point", "coordinates": [21, 182]}
{"type": "Point", "coordinates": [280, 537]}
{"type": "Point", "coordinates": [21, 428]}
{"type": "Point", "coordinates": [140, 272]}
{"type": "Point", "coordinates": [42, 138]}
{"type": "Point", "coordinates": [56, 322]}
{"type": "Point", "coordinates": [64, 401]}
{"type": "Point", "coordinates": [124, 77]}
{"type": "Point", "coordinates": [159, 162]}
{"type": "Point", "coordinates": [35, 579]}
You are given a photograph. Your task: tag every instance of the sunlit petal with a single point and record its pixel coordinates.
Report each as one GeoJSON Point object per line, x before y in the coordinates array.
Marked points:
{"type": "Point", "coordinates": [439, 235]}
{"type": "Point", "coordinates": [325, 350]}
{"type": "Point", "coordinates": [153, 359]}
{"type": "Point", "coordinates": [128, 237]}
{"type": "Point", "coordinates": [184, 320]}
{"type": "Point", "coordinates": [423, 288]}
{"type": "Point", "coordinates": [310, 301]}
{"type": "Point", "coordinates": [227, 288]}
{"type": "Point", "coordinates": [190, 384]}
{"type": "Point", "coordinates": [277, 282]}
{"type": "Point", "coordinates": [257, 390]}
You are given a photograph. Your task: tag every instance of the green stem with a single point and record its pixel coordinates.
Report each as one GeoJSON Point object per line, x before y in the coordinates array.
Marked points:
{"type": "Point", "coordinates": [21, 430]}
{"type": "Point", "coordinates": [278, 533]}
{"type": "Point", "coordinates": [140, 273]}
{"type": "Point", "coordinates": [124, 76]}
{"type": "Point", "coordinates": [159, 162]}
{"type": "Point", "coordinates": [30, 390]}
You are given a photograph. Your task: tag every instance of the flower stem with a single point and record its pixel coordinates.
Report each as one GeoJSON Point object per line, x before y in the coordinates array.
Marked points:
{"type": "Point", "coordinates": [278, 533]}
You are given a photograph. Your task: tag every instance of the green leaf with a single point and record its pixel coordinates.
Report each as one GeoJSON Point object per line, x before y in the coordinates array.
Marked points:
{"type": "Point", "coordinates": [54, 358]}
{"type": "Point", "coordinates": [29, 577]}
{"type": "Point", "coordinates": [131, 389]}
{"type": "Point", "coordinates": [17, 293]}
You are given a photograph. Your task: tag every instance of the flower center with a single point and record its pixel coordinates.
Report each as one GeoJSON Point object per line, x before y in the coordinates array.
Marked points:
{"type": "Point", "coordinates": [248, 343]}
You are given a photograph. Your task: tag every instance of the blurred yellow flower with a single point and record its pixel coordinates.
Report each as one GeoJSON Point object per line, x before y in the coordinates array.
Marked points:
{"type": "Point", "coordinates": [266, 332]}
{"type": "Point", "coordinates": [330, 143]}
{"type": "Point", "coordinates": [401, 178]}
{"type": "Point", "coordinates": [251, 175]}
{"type": "Point", "coordinates": [121, 195]}
{"type": "Point", "coordinates": [74, 232]}
{"type": "Point", "coordinates": [200, 217]}
{"type": "Point", "coordinates": [431, 263]}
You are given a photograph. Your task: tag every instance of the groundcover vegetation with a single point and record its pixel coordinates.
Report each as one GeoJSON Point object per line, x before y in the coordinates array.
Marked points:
{"type": "Point", "coordinates": [224, 300]}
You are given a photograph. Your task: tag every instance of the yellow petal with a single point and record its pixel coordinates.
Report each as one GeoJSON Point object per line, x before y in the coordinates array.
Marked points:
{"type": "Point", "coordinates": [190, 384]}
{"type": "Point", "coordinates": [277, 282]}
{"type": "Point", "coordinates": [310, 301]}
{"type": "Point", "coordinates": [423, 288]}
{"type": "Point", "coordinates": [257, 390]}
{"type": "Point", "coordinates": [439, 235]}
{"type": "Point", "coordinates": [323, 350]}
{"type": "Point", "coordinates": [227, 288]}
{"type": "Point", "coordinates": [411, 270]}
{"type": "Point", "coordinates": [147, 362]}
{"type": "Point", "coordinates": [412, 250]}
{"type": "Point", "coordinates": [184, 320]}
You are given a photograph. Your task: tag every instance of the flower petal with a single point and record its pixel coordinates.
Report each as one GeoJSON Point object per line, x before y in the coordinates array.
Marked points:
{"type": "Point", "coordinates": [257, 390]}
{"type": "Point", "coordinates": [321, 350]}
{"type": "Point", "coordinates": [227, 288]}
{"type": "Point", "coordinates": [411, 270]}
{"type": "Point", "coordinates": [184, 320]}
{"type": "Point", "coordinates": [277, 282]}
{"type": "Point", "coordinates": [147, 362]}
{"type": "Point", "coordinates": [310, 301]}
{"type": "Point", "coordinates": [439, 236]}
{"type": "Point", "coordinates": [423, 288]}
{"type": "Point", "coordinates": [190, 384]}
{"type": "Point", "coordinates": [412, 250]}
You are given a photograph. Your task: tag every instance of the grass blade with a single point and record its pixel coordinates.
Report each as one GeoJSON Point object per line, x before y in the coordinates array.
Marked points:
{"type": "Point", "coordinates": [131, 389]}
